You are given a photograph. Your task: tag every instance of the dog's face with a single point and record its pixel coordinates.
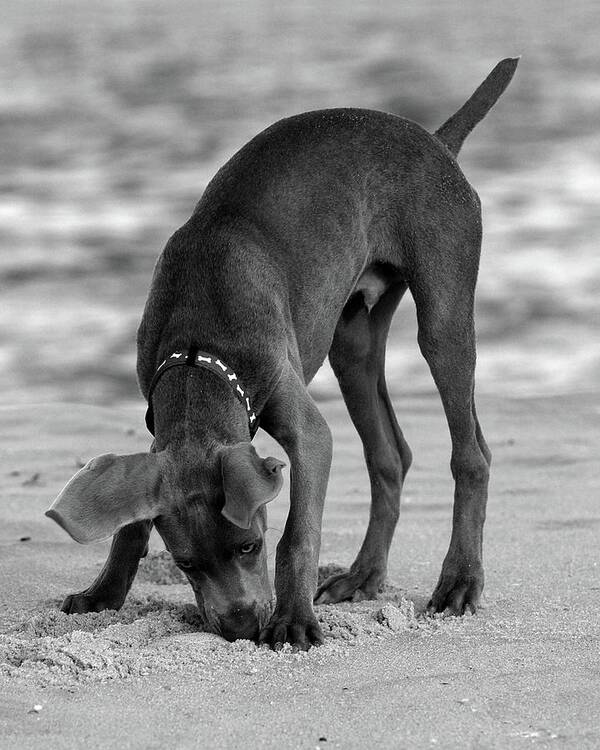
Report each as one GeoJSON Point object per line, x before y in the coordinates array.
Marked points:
{"type": "Point", "coordinates": [210, 515]}
{"type": "Point", "coordinates": [225, 565]}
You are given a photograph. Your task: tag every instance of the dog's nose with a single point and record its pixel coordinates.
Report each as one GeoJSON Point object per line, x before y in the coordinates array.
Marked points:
{"type": "Point", "coordinates": [240, 622]}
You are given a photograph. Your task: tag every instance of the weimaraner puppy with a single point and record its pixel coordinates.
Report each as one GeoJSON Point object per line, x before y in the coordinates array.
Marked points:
{"type": "Point", "coordinates": [300, 248]}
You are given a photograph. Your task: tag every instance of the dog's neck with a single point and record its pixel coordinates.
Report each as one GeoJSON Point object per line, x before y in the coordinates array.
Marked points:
{"type": "Point", "coordinates": [192, 407]}
{"type": "Point", "coordinates": [193, 357]}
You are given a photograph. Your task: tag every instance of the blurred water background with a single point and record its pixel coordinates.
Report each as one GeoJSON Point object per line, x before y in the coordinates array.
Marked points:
{"type": "Point", "coordinates": [114, 114]}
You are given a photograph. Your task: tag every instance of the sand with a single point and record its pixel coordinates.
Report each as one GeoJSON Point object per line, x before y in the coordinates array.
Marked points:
{"type": "Point", "coordinates": [525, 670]}
{"type": "Point", "coordinates": [152, 634]}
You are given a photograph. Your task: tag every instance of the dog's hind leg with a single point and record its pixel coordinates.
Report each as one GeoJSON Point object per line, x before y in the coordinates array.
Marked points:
{"type": "Point", "coordinates": [444, 296]}
{"type": "Point", "coordinates": [110, 588]}
{"type": "Point", "coordinates": [357, 356]}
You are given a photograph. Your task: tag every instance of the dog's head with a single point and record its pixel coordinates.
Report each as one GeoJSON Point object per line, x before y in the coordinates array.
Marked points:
{"type": "Point", "coordinates": [211, 516]}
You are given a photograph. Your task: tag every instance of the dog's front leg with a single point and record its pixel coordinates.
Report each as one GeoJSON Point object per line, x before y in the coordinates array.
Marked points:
{"type": "Point", "coordinates": [292, 418]}
{"type": "Point", "coordinates": [111, 586]}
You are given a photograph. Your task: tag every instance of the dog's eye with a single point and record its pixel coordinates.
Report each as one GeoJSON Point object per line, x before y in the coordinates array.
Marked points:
{"type": "Point", "coordinates": [248, 548]}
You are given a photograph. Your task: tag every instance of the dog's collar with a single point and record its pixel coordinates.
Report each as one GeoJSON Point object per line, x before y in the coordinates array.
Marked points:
{"type": "Point", "coordinates": [196, 358]}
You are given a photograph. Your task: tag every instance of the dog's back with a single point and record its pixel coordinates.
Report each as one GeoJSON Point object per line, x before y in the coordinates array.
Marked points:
{"type": "Point", "coordinates": [291, 222]}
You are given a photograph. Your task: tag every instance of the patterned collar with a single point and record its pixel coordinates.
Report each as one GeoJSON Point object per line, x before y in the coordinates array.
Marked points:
{"type": "Point", "coordinates": [196, 358]}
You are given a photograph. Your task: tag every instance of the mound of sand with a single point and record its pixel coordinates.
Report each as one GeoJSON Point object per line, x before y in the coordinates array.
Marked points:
{"type": "Point", "coordinates": [159, 568]}
{"type": "Point", "coordinates": [151, 634]}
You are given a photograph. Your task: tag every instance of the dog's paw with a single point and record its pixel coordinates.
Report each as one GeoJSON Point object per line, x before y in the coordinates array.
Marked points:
{"type": "Point", "coordinates": [351, 584]}
{"type": "Point", "coordinates": [301, 631]}
{"type": "Point", "coordinates": [78, 604]}
{"type": "Point", "coordinates": [457, 590]}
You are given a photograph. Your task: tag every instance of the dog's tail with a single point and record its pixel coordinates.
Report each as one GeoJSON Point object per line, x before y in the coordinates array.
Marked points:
{"type": "Point", "coordinates": [454, 131]}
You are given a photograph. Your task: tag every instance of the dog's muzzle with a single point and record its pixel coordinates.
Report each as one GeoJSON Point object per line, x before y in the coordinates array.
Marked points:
{"type": "Point", "coordinates": [241, 621]}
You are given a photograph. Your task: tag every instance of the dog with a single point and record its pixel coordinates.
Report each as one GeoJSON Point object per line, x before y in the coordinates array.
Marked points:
{"type": "Point", "coordinates": [300, 248]}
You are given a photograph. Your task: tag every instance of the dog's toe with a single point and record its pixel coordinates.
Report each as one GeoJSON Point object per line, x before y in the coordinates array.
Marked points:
{"type": "Point", "coordinates": [77, 604]}
{"type": "Point", "coordinates": [457, 594]}
{"type": "Point", "coordinates": [81, 603]}
{"type": "Point", "coordinates": [356, 585]}
{"type": "Point", "coordinates": [301, 633]}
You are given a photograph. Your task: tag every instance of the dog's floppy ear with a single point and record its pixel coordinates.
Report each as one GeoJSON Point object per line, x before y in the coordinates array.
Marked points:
{"type": "Point", "coordinates": [109, 493]}
{"type": "Point", "coordinates": [249, 481]}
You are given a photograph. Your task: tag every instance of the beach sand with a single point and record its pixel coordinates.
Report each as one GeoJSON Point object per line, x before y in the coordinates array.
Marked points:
{"type": "Point", "coordinates": [524, 671]}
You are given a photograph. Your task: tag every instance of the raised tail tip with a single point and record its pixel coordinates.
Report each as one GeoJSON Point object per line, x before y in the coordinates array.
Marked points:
{"type": "Point", "coordinates": [454, 131]}
{"type": "Point", "coordinates": [507, 66]}
{"type": "Point", "coordinates": [513, 60]}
